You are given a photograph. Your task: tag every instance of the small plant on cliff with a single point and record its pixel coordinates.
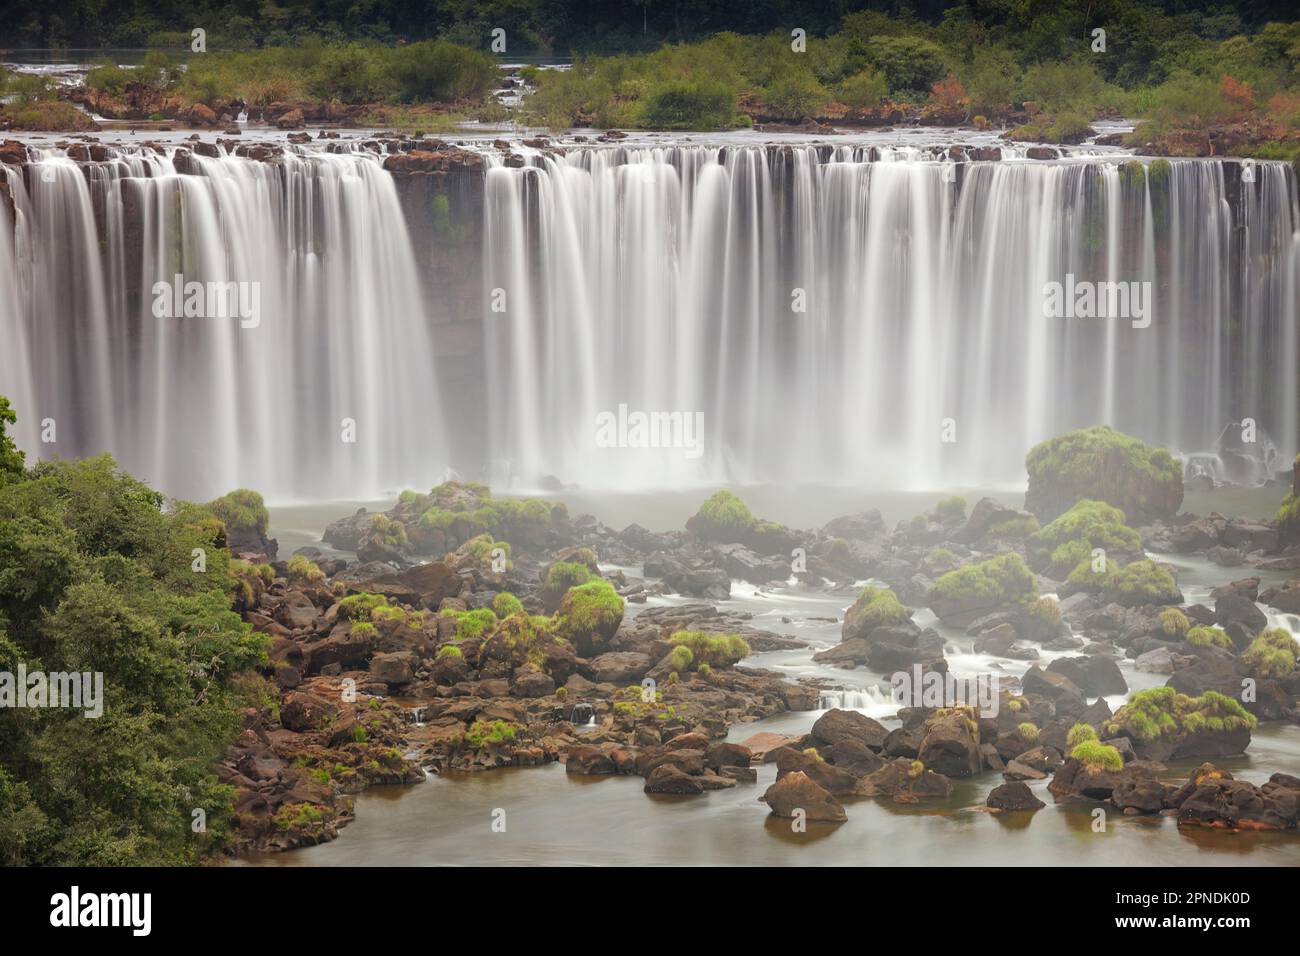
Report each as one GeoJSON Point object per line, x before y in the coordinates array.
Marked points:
{"type": "Point", "coordinates": [1028, 732]}
{"type": "Point", "coordinates": [1272, 654]}
{"type": "Point", "coordinates": [589, 614]}
{"type": "Point", "coordinates": [483, 732]}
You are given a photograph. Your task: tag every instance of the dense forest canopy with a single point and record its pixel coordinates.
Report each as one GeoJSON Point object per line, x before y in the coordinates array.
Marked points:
{"type": "Point", "coordinates": [562, 27]}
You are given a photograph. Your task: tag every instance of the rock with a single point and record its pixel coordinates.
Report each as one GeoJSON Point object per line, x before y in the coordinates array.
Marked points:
{"type": "Point", "coordinates": [906, 781]}
{"type": "Point", "coordinates": [301, 711]}
{"type": "Point", "coordinates": [796, 792]}
{"type": "Point", "coordinates": [1238, 805]}
{"type": "Point", "coordinates": [862, 526]}
{"type": "Point", "coordinates": [1160, 660]}
{"type": "Point", "coordinates": [839, 726]}
{"type": "Point", "coordinates": [1057, 688]}
{"type": "Point", "coordinates": [200, 115]}
{"type": "Point", "coordinates": [827, 776]}
{"type": "Point", "coordinates": [985, 515]}
{"type": "Point", "coordinates": [1285, 598]}
{"type": "Point", "coordinates": [396, 669]}
{"type": "Point", "coordinates": [668, 779]}
{"type": "Point", "coordinates": [1100, 463]}
{"type": "Point", "coordinates": [291, 120]}
{"type": "Point", "coordinates": [431, 582]}
{"type": "Point", "coordinates": [996, 640]}
{"type": "Point", "coordinates": [1140, 794]}
{"type": "Point", "coordinates": [528, 681]}
{"type": "Point", "coordinates": [588, 760]}
{"type": "Point", "coordinates": [1235, 609]}
{"type": "Point", "coordinates": [620, 667]}
{"type": "Point", "coordinates": [721, 755]}
{"type": "Point", "coordinates": [1075, 781]}
{"type": "Point", "coordinates": [1013, 796]}
{"type": "Point", "coordinates": [951, 745]}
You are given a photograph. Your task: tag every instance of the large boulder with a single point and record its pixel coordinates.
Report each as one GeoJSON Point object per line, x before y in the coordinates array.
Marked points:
{"type": "Point", "coordinates": [796, 792]}
{"type": "Point", "coordinates": [840, 726]}
{"type": "Point", "coordinates": [951, 745]}
{"type": "Point", "coordinates": [1100, 463]}
{"type": "Point", "coordinates": [1013, 796]}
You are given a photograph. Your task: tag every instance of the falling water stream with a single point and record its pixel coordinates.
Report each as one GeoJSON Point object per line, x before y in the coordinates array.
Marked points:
{"type": "Point", "coordinates": [853, 315]}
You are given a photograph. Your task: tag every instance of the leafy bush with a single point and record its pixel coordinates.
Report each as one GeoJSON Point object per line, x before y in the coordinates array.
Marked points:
{"type": "Point", "coordinates": [690, 104]}
{"type": "Point", "coordinates": [1203, 636]}
{"type": "Point", "coordinates": [1273, 653]}
{"type": "Point", "coordinates": [710, 650]}
{"type": "Point", "coordinates": [1097, 756]}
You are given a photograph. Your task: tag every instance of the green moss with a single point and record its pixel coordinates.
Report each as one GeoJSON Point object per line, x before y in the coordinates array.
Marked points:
{"type": "Point", "coordinates": [505, 604]}
{"type": "Point", "coordinates": [1097, 756]}
{"type": "Point", "coordinates": [363, 629]}
{"type": "Point", "coordinates": [474, 625]}
{"type": "Point", "coordinates": [875, 607]}
{"type": "Point", "coordinates": [563, 575]}
{"type": "Point", "coordinates": [391, 532]}
{"type": "Point", "coordinates": [1203, 636]}
{"type": "Point", "coordinates": [450, 650]}
{"type": "Point", "coordinates": [1028, 732]}
{"type": "Point", "coordinates": [1013, 529]}
{"type": "Point", "coordinates": [715, 650]}
{"type": "Point", "coordinates": [1273, 653]}
{"type": "Point", "coordinates": [681, 658]}
{"type": "Point", "coordinates": [1046, 611]}
{"type": "Point", "coordinates": [1071, 537]}
{"type": "Point", "coordinates": [999, 582]}
{"type": "Point", "coordinates": [1288, 518]}
{"type": "Point", "coordinates": [242, 510]}
{"type": "Point", "coordinates": [723, 517]}
{"type": "Point", "coordinates": [1102, 464]}
{"type": "Point", "coordinates": [589, 614]}
{"type": "Point", "coordinates": [1142, 582]}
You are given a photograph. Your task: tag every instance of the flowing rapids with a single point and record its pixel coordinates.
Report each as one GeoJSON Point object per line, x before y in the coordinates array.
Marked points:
{"type": "Point", "coordinates": [828, 314]}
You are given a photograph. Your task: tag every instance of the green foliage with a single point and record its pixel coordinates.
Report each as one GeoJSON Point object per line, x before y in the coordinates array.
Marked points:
{"type": "Point", "coordinates": [563, 575]}
{"type": "Point", "coordinates": [1028, 732]}
{"type": "Point", "coordinates": [450, 650]}
{"type": "Point", "coordinates": [1142, 582]}
{"type": "Point", "coordinates": [690, 104]}
{"type": "Point", "coordinates": [1002, 581]}
{"type": "Point", "coordinates": [1047, 612]}
{"type": "Point", "coordinates": [483, 732]}
{"type": "Point", "coordinates": [1102, 464]}
{"type": "Point", "coordinates": [681, 658]}
{"type": "Point", "coordinates": [95, 576]}
{"type": "Point", "coordinates": [1273, 653]}
{"type": "Point", "coordinates": [864, 89]}
{"type": "Point", "coordinates": [11, 459]}
{"type": "Point", "coordinates": [473, 625]}
{"type": "Point", "coordinates": [910, 63]}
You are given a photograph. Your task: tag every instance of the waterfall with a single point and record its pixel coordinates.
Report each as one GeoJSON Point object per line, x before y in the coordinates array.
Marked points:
{"type": "Point", "coordinates": [838, 315]}
{"type": "Point", "coordinates": [200, 405]}
{"type": "Point", "coordinates": [666, 279]}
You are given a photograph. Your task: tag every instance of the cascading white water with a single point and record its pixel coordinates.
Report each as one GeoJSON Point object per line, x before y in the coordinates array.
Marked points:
{"type": "Point", "coordinates": [201, 404]}
{"type": "Point", "coordinates": [664, 279]}
{"type": "Point", "coordinates": [833, 313]}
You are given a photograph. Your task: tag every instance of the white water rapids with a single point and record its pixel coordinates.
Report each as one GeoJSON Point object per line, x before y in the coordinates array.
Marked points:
{"type": "Point", "coordinates": [660, 279]}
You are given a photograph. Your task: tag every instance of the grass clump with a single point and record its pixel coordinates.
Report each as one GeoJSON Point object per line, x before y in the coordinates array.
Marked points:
{"type": "Point", "coordinates": [1208, 636]}
{"type": "Point", "coordinates": [711, 650]}
{"type": "Point", "coordinates": [1173, 622]}
{"type": "Point", "coordinates": [242, 510]}
{"type": "Point", "coordinates": [1097, 756]}
{"type": "Point", "coordinates": [1273, 653]}
{"type": "Point", "coordinates": [1163, 712]}
{"type": "Point", "coordinates": [303, 570]}
{"type": "Point", "coordinates": [505, 604]}
{"type": "Point", "coordinates": [998, 582]}
{"type": "Point", "coordinates": [723, 517]}
{"type": "Point", "coordinates": [875, 607]}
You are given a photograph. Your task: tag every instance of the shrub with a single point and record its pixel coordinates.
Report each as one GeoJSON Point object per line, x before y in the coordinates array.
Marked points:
{"type": "Point", "coordinates": [951, 509]}
{"type": "Point", "coordinates": [875, 607]}
{"type": "Point", "coordinates": [681, 658]}
{"type": "Point", "coordinates": [1142, 582]}
{"type": "Point", "coordinates": [242, 510]}
{"type": "Point", "coordinates": [1028, 732]}
{"type": "Point", "coordinates": [690, 104]}
{"type": "Point", "coordinates": [864, 89]}
{"type": "Point", "coordinates": [589, 615]}
{"type": "Point", "coordinates": [1070, 537]}
{"type": "Point", "coordinates": [1163, 712]}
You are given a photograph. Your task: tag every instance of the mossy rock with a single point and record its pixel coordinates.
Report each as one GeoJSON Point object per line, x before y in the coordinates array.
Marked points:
{"type": "Point", "coordinates": [1102, 464]}
{"type": "Point", "coordinates": [589, 616]}
{"type": "Point", "coordinates": [1139, 583]}
{"type": "Point", "coordinates": [724, 517]}
{"type": "Point", "coordinates": [1288, 515]}
{"type": "Point", "coordinates": [1071, 537]}
{"type": "Point", "coordinates": [973, 590]}
{"type": "Point", "coordinates": [874, 607]}
{"type": "Point", "coordinates": [1166, 725]}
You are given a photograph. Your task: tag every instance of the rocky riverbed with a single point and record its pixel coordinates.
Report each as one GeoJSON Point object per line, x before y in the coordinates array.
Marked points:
{"type": "Point", "coordinates": [743, 657]}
